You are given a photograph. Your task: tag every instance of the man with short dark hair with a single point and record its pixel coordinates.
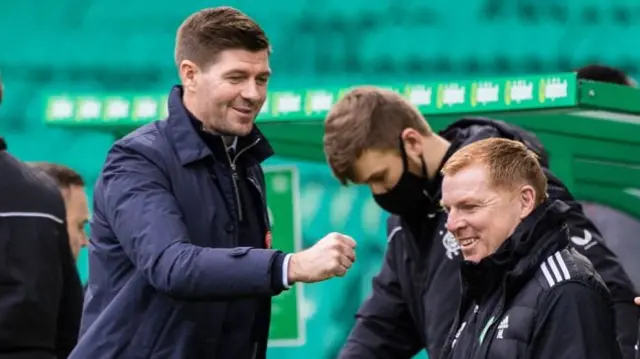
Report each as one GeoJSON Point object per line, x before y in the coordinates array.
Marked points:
{"type": "Point", "coordinates": [375, 137]}
{"type": "Point", "coordinates": [71, 186]}
{"type": "Point", "coordinates": [41, 295]}
{"type": "Point", "coordinates": [526, 292]}
{"type": "Point", "coordinates": [181, 264]}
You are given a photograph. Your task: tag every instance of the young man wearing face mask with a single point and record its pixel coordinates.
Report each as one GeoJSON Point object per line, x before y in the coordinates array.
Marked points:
{"type": "Point", "coordinates": [526, 292]}
{"type": "Point", "coordinates": [376, 138]}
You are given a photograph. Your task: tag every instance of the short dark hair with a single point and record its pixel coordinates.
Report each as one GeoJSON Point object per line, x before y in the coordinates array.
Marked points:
{"type": "Point", "coordinates": [602, 73]}
{"type": "Point", "coordinates": [206, 33]}
{"type": "Point", "coordinates": [64, 176]}
{"type": "Point", "coordinates": [367, 118]}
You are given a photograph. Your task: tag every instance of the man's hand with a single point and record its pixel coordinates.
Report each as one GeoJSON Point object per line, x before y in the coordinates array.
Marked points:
{"type": "Point", "coordinates": [332, 256]}
{"type": "Point", "coordinates": [637, 300]}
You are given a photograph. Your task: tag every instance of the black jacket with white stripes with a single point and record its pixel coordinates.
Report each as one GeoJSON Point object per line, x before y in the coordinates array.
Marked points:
{"type": "Point", "coordinates": [416, 293]}
{"type": "Point", "coordinates": [535, 298]}
{"type": "Point", "coordinates": [40, 290]}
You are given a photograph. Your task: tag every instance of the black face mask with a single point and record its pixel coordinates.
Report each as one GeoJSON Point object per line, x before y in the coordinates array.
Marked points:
{"type": "Point", "coordinates": [410, 195]}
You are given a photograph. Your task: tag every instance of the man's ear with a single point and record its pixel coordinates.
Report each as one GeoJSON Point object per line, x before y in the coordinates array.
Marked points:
{"type": "Point", "coordinates": [189, 72]}
{"type": "Point", "coordinates": [527, 198]}
{"type": "Point", "coordinates": [412, 142]}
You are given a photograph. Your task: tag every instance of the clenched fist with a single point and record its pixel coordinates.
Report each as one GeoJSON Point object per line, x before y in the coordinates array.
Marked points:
{"type": "Point", "coordinates": [332, 256]}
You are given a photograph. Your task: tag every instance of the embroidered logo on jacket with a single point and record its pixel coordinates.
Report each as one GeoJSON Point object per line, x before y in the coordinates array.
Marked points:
{"type": "Point", "coordinates": [268, 239]}
{"type": "Point", "coordinates": [504, 324]}
{"type": "Point", "coordinates": [586, 241]}
{"type": "Point", "coordinates": [451, 245]}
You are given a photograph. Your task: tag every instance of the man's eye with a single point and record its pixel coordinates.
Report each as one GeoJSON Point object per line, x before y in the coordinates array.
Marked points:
{"type": "Point", "coordinates": [469, 208]}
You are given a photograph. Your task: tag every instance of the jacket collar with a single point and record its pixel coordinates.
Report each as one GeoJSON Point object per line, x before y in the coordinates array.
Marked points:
{"type": "Point", "coordinates": [190, 147]}
{"type": "Point", "coordinates": [537, 237]}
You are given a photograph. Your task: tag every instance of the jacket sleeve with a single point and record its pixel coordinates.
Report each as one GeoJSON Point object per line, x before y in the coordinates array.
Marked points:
{"type": "Point", "coordinates": [384, 327]}
{"type": "Point", "coordinates": [142, 211]}
{"type": "Point", "coordinates": [586, 238]}
{"type": "Point", "coordinates": [574, 322]}
{"type": "Point", "coordinates": [68, 324]}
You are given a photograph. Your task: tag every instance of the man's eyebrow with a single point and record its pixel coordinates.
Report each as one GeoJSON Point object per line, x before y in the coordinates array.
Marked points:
{"type": "Point", "coordinates": [246, 73]}
{"type": "Point", "coordinates": [465, 201]}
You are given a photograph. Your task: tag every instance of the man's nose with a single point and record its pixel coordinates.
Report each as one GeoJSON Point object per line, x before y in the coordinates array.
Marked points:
{"type": "Point", "coordinates": [454, 221]}
{"type": "Point", "coordinates": [251, 92]}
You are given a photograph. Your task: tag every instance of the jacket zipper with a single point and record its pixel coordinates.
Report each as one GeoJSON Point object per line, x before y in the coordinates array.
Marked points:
{"type": "Point", "coordinates": [234, 175]}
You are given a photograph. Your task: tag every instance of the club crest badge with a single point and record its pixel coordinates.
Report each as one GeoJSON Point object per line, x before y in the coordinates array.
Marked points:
{"type": "Point", "coordinates": [450, 245]}
{"type": "Point", "coordinates": [267, 240]}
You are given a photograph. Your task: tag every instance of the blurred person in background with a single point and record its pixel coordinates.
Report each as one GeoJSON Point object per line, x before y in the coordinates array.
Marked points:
{"type": "Point", "coordinates": [527, 293]}
{"type": "Point", "coordinates": [608, 74]}
{"type": "Point", "coordinates": [376, 138]}
{"type": "Point", "coordinates": [181, 264]}
{"type": "Point", "coordinates": [73, 192]}
{"type": "Point", "coordinates": [40, 305]}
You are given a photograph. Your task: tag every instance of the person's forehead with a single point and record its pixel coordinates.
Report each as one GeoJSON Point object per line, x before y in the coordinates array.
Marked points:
{"type": "Point", "coordinates": [373, 162]}
{"type": "Point", "coordinates": [238, 59]}
{"type": "Point", "coordinates": [467, 183]}
{"type": "Point", "coordinates": [77, 198]}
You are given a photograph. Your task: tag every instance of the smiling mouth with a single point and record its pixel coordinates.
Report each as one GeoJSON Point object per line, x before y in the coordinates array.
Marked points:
{"type": "Point", "coordinates": [468, 242]}
{"type": "Point", "coordinates": [243, 110]}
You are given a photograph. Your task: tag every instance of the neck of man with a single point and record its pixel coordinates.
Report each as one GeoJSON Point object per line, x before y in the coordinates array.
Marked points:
{"type": "Point", "coordinates": [435, 148]}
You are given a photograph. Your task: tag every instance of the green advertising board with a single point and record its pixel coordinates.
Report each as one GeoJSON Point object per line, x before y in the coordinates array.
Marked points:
{"type": "Point", "coordinates": [283, 196]}
{"type": "Point", "coordinates": [432, 98]}
{"type": "Point", "coordinates": [590, 129]}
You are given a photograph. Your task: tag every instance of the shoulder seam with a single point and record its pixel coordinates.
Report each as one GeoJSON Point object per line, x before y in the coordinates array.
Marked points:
{"type": "Point", "coordinates": [393, 232]}
{"type": "Point", "coordinates": [32, 215]}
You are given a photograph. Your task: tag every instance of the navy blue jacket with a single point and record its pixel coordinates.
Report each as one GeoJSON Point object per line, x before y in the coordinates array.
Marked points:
{"type": "Point", "coordinates": [167, 272]}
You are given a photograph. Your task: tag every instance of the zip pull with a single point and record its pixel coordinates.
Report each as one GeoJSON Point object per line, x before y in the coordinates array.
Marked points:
{"type": "Point", "coordinates": [251, 145]}
{"type": "Point", "coordinates": [234, 181]}
{"type": "Point", "coordinates": [486, 329]}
